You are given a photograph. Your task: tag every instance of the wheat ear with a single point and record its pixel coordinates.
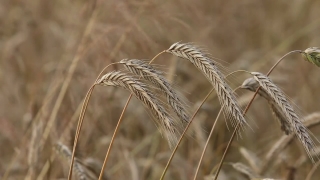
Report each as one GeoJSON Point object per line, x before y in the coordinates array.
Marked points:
{"type": "Point", "coordinates": [278, 96]}
{"type": "Point", "coordinates": [154, 76]}
{"type": "Point", "coordinates": [208, 67]}
{"type": "Point", "coordinates": [312, 55]}
{"type": "Point", "coordinates": [140, 90]}
{"type": "Point", "coordinates": [252, 85]}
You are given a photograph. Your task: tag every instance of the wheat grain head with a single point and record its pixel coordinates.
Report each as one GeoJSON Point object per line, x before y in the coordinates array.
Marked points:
{"type": "Point", "coordinates": [296, 125]}
{"type": "Point", "coordinates": [252, 85]}
{"type": "Point", "coordinates": [209, 69]}
{"type": "Point", "coordinates": [164, 121]}
{"type": "Point", "coordinates": [147, 72]}
{"type": "Point", "coordinates": [312, 55]}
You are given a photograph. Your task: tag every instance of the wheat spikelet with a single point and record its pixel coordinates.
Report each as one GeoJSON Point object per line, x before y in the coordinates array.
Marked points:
{"type": "Point", "coordinates": [148, 73]}
{"type": "Point", "coordinates": [278, 96]}
{"type": "Point", "coordinates": [140, 90]}
{"type": "Point", "coordinates": [208, 67]}
{"type": "Point", "coordinates": [312, 55]}
{"type": "Point", "coordinates": [252, 85]}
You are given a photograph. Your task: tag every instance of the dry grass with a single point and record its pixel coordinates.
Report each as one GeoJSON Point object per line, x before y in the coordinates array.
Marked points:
{"type": "Point", "coordinates": [52, 51]}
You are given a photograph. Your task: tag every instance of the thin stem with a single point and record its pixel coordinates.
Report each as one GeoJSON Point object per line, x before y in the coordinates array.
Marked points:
{"type": "Point", "coordinates": [104, 70]}
{"type": "Point", "coordinates": [81, 117]}
{"type": "Point", "coordinates": [247, 108]}
{"type": "Point", "coordinates": [205, 146]}
{"type": "Point", "coordinates": [314, 168]}
{"type": "Point", "coordinates": [209, 137]}
{"type": "Point", "coordinates": [156, 56]}
{"type": "Point", "coordinates": [182, 135]}
{"type": "Point", "coordinates": [236, 72]}
{"type": "Point", "coordinates": [118, 125]}
{"type": "Point", "coordinates": [113, 137]}
{"type": "Point", "coordinates": [79, 126]}
{"type": "Point", "coordinates": [276, 64]}
{"type": "Point", "coordinates": [233, 135]}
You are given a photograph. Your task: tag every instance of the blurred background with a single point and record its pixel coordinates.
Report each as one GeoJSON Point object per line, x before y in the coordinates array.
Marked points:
{"type": "Point", "coordinates": [52, 51]}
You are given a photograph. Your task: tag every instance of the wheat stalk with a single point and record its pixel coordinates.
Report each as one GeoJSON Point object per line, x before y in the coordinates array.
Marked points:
{"type": "Point", "coordinates": [66, 153]}
{"type": "Point", "coordinates": [154, 76]}
{"type": "Point", "coordinates": [88, 169]}
{"type": "Point", "coordinates": [278, 96]}
{"type": "Point", "coordinates": [252, 85]}
{"type": "Point", "coordinates": [210, 70]}
{"type": "Point", "coordinates": [165, 123]}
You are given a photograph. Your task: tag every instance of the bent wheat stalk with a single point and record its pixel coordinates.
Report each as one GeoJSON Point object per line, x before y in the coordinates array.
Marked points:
{"type": "Point", "coordinates": [147, 72]}
{"type": "Point", "coordinates": [81, 118]}
{"type": "Point", "coordinates": [210, 70]}
{"type": "Point", "coordinates": [65, 152]}
{"type": "Point", "coordinates": [208, 139]}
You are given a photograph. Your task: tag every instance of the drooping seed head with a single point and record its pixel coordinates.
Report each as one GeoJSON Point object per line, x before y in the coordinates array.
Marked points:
{"type": "Point", "coordinates": [286, 108]}
{"type": "Point", "coordinates": [147, 72]}
{"type": "Point", "coordinates": [312, 55]}
{"type": "Point", "coordinates": [201, 60]}
{"type": "Point", "coordinates": [252, 85]}
{"type": "Point", "coordinates": [141, 91]}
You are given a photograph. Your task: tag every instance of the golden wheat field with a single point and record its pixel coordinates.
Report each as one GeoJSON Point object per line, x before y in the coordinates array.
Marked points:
{"type": "Point", "coordinates": [151, 89]}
